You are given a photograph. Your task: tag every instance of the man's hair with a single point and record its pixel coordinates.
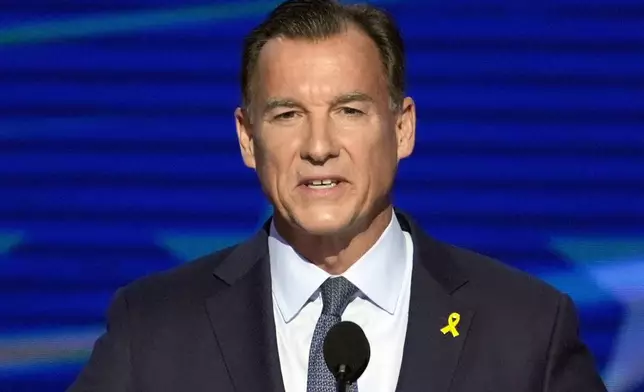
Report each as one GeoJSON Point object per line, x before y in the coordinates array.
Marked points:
{"type": "Point", "coordinates": [319, 19]}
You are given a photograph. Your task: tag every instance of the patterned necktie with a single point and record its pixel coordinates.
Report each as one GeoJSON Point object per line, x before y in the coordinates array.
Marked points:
{"type": "Point", "coordinates": [336, 295]}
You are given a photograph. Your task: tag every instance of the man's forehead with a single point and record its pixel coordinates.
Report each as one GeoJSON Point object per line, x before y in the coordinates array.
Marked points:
{"type": "Point", "coordinates": [297, 70]}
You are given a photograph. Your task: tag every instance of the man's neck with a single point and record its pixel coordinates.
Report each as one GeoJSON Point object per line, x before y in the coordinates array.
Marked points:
{"type": "Point", "coordinates": [336, 253]}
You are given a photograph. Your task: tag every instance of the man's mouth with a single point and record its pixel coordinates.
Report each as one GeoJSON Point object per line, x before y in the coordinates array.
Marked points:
{"type": "Point", "coordinates": [321, 184]}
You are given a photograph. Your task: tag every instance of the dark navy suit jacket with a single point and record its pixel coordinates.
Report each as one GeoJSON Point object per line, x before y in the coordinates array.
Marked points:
{"type": "Point", "coordinates": [208, 326]}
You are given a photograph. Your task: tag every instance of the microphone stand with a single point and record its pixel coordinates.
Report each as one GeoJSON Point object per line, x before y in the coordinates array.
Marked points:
{"type": "Point", "coordinates": [341, 382]}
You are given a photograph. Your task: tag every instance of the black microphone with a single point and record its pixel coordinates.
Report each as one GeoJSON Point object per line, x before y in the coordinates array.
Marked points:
{"type": "Point", "coordinates": [346, 352]}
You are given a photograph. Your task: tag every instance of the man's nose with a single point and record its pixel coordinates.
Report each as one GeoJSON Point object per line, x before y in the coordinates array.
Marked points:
{"type": "Point", "coordinates": [320, 144]}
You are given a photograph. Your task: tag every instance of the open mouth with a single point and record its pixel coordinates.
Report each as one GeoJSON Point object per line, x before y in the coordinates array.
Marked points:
{"type": "Point", "coordinates": [321, 184]}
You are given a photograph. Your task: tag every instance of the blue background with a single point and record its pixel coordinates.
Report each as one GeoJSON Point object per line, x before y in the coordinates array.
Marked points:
{"type": "Point", "coordinates": [118, 156]}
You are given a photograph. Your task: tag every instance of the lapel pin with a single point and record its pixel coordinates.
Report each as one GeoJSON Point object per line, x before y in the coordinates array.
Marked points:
{"type": "Point", "coordinates": [452, 322]}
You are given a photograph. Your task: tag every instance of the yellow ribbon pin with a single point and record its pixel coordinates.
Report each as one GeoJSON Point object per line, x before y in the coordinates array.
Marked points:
{"type": "Point", "coordinates": [452, 322]}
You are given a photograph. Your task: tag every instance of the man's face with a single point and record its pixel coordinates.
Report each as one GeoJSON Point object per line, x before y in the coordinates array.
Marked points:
{"type": "Point", "coordinates": [321, 134]}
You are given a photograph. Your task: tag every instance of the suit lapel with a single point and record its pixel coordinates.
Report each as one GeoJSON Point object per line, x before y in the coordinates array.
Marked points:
{"type": "Point", "coordinates": [430, 357]}
{"type": "Point", "coordinates": [242, 318]}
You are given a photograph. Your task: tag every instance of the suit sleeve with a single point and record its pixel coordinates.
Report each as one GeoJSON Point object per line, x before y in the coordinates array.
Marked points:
{"type": "Point", "coordinates": [570, 365]}
{"type": "Point", "coordinates": [109, 366]}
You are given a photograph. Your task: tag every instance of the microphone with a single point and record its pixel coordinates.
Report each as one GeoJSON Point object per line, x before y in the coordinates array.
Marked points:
{"type": "Point", "coordinates": [346, 352]}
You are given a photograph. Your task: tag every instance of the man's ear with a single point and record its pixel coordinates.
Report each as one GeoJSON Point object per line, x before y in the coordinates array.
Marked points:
{"type": "Point", "coordinates": [406, 128]}
{"type": "Point", "coordinates": [245, 137]}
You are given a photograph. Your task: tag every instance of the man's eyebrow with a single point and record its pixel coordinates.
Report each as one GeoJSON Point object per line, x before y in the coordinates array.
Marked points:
{"type": "Point", "coordinates": [352, 97]}
{"type": "Point", "coordinates": [274, 103]}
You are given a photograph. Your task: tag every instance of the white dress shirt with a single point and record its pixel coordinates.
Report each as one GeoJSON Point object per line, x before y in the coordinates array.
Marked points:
{"type": "Point", "coordinates": [381, 308]}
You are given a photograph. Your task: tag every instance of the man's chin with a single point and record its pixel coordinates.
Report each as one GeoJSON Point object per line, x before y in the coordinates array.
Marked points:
{"type": "Point", "coordinates": [325, 225]}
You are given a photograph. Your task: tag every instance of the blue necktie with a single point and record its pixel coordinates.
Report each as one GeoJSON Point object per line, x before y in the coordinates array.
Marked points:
{"type": "Point", "coordinates": [336, 295]}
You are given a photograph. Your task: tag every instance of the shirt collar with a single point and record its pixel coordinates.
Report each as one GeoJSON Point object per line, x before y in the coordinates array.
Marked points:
{"type": "Point", "coordinates": [378, 274]}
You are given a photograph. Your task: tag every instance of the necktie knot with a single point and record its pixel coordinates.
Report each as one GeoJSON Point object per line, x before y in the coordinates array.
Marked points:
{"type": "Point", "coordinates": [336, 295]}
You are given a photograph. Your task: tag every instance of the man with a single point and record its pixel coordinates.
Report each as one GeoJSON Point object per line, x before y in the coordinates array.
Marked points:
{"type": "Point", "coordinates": [324, 123]}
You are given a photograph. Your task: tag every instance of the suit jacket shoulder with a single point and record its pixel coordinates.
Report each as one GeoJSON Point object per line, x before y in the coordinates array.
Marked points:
{"type": "Point", "coordinates": [492, 283]}
{"type": "Point", "coordinates": [191, 280]}
{"type": "Point", "coordinates": [523, 327]}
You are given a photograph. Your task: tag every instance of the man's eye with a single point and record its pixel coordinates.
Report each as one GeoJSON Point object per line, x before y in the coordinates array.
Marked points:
{"type": "Point", "coordinates": [351, 111]}
{"type": "Point", "coordinates": [286, 115]}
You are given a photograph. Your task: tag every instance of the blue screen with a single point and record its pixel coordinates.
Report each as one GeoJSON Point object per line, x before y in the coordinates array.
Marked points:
{"type": "Point", "coordinates": [119, 158]}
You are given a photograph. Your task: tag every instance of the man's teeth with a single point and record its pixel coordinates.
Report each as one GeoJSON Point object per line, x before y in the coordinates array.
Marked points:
{"type": "Point", "coordinates": [322, 183]}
